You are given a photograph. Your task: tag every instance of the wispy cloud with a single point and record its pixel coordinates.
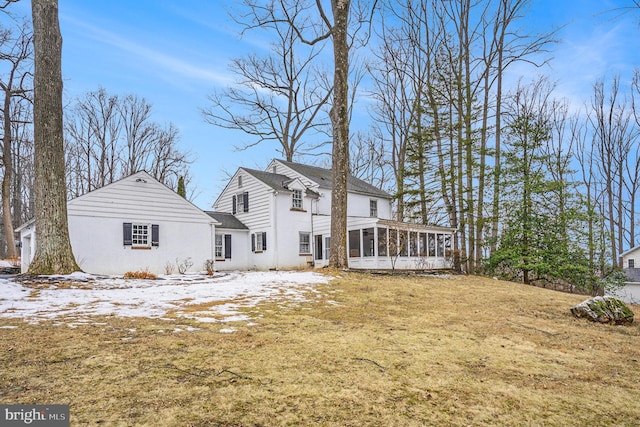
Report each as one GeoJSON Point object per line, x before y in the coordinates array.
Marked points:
{"type": "Point", "coordinates": [175, 66]}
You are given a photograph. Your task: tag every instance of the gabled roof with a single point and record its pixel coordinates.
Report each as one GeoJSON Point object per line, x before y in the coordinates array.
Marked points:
{"type": "Point", "coordinates": [138, 196]}
{"type": "Point", "coordinates": [635, 248]}
{"type": "Point", "coordinates": [324, 178]}
{"type": "Point", "coordinates": [273, 180]}
{"type": "Point", "coordinates": [227, 220]}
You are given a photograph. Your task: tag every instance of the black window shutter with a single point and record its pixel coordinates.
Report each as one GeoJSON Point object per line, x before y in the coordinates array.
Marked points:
{"type": "Point", "coordinates": [126, 234]}
{"type": "Point", "coordinates": [155, 235]}
{"type": "Point", "coordinates": [253, 243]}
{"type": "Point", "coordinates": [233, 204]}
{"type": "Point", "coordinates": [264, 241]}
{"type": "Point", "coordinates": [227, 246]}
{"type": "Point", "coordinates": [246, 201]}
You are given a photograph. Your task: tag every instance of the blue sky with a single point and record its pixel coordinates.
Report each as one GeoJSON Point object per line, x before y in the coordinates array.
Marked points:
{"type": "Point", "coordinates": [175, 53]}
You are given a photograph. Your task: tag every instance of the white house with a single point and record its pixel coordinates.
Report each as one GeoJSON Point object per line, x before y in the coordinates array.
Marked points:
{"type": "Point", "coordinates": [133, 224]}
{"type": "Point", "coordinates": [630, 293]}
{"type": "Point", "coordinates": [274, 219]}
{"type": "Point", "coordinates": [286, 210]}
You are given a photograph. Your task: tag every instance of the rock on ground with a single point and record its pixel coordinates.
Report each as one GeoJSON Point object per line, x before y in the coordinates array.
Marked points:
{"type": "Point", "coordinates": [605, 309]}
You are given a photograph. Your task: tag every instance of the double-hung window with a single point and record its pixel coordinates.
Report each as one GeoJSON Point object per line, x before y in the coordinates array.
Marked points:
{"type": "Point", "coordinates": [296, 200]}
{"type": "Point", "coordinates": [240, 203]}
{"type": "Point", "coordinates": [223, 247]}
{"type": "Point", "coordinates": [305, 243]}
{"type": "Point", "coordinates": [259, 242]}
{"type": "Point", "coordinates": [373, 208]}
{"type": "Point", "coordinates": [219, 246]}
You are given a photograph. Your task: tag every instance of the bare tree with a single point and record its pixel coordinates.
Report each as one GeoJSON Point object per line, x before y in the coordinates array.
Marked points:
{"type": "Point", "coordinates": [368, 159]}
{"type": "Point", "coordinates": [53, 254]}
{"type": "Point", "coordinates": [611, 121]}
{"type": "Point", "coordinates": [280, 97]}
{"type": "Point", "coordinates": [93, 128]}
{"type": "Point", "coordinates": [140, 133]}
{"type": "Point", "coordinates": [110, 137]}
{"type": "Point", "coordinates": [314, 27]}
{"type": "Point", "coordinates": [15, 51]}
{"type": "Point", "coordinates": [22, 152]}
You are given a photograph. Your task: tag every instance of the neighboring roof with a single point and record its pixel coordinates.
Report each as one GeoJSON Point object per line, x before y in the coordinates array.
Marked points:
{"type": "Point", "coordinates": [633, 274]}
{"type": "Point", "coordinates": [25, 225]}
{"type": "Point", "coordinates": [635, 248]}
{"type": "Point", "coordinates": [227, 220]}
{"type": "Point", "coordinates": [324, 178]}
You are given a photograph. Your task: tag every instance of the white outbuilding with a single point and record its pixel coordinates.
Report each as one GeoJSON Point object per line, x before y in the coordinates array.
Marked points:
{"type": "Point", "coordinates": [134, 224]}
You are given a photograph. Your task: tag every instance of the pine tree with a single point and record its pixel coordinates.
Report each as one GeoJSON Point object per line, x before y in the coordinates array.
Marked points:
{"type": "Point", "coordinates": [182, 190]}
{"type": "Point", "coordinates": [540, 241]}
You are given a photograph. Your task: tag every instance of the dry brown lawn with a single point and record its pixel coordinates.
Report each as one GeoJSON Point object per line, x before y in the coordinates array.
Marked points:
{"type": "Point", "coordinates": [366, 351]}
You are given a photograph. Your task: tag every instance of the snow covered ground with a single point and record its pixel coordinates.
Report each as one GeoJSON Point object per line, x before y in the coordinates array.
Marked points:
{"type": "Point", "coordinates": [75, 298]}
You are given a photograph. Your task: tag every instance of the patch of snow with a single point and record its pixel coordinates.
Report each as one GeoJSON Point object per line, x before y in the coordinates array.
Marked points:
{"type": "Point", "coordinates": [227, 331]}
{"type": "Point", "coordinates": [155, 298]}
{"type": "Point", "coordinates": [7, 263]}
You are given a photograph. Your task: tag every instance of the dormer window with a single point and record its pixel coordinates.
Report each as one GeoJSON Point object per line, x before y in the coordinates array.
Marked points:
{"type": "Point", "coordinates": [296, 200]}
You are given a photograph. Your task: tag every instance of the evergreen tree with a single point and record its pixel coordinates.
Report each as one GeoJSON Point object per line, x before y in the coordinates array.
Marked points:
{"type": "Point", "coordinates": [541, 240]}
{"type": "Point", "coordinates": [182, 190]}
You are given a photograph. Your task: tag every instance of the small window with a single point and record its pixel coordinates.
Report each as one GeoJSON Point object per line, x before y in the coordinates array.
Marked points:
{"type": "Point", "coordinates": [240, 202]}
{"type": "Point", "coordinates": [305, 243]}
{"type": "Point", "coordinates": [259, 242]}
{"type": "Point", "coordinates": [327, 247]}
{"type": "Point", "coordinates": [140, 235]}
{"type": "Point", "coordinates": [296, 200]}
{"type": "Point", "coordinates": [240, 181]}
{"type": "Point", "coordinates": [373, 208]}
{"type": "Point", "coordinates": [632, 263]}
{"type": "Point", "coordinates": [219, 246]}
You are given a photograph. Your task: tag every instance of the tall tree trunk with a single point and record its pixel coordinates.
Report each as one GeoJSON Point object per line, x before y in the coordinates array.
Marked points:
{"type": "Point", "coordinates": [53, 253]}
{"type": "Point", "coordinates": [7, 179]}
{"type": "Point", "coordinates": [497, 158]}
{"type": "Point", "coordinates": [340, 122]}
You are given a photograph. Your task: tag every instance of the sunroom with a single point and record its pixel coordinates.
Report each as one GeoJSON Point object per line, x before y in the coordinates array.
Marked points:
{"type": "Point", "coordinates": [386, 244]}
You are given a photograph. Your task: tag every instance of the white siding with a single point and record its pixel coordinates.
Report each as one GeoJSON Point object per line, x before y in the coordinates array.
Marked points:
{"type": "Point", "coordinates": [358, 205]}
{"type": "Point", "coordinates": [634, 255]}
{"type": "Point", "coordinates": [136, 197]}
{"type": "Point", "coordinates": [240, 250]}
{"type": "Point", "coordinates": [97, 244]}
{"type": "Point", "coordinates": [259, 215]}
{"type": "Point", "coordinates": [96, 228]}
{"type": "Point", "coordinates": [290, 223]}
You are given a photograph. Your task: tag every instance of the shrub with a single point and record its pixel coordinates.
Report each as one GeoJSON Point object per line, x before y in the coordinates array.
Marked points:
{"type": "Point", "coordinates": [208, 266]}
{"type": "Point", "coordinates": [184, 265]}
{"type": "Point", "coordinates": [169, 268]}
{"type": "Point", "coordinates": [142, 274]}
